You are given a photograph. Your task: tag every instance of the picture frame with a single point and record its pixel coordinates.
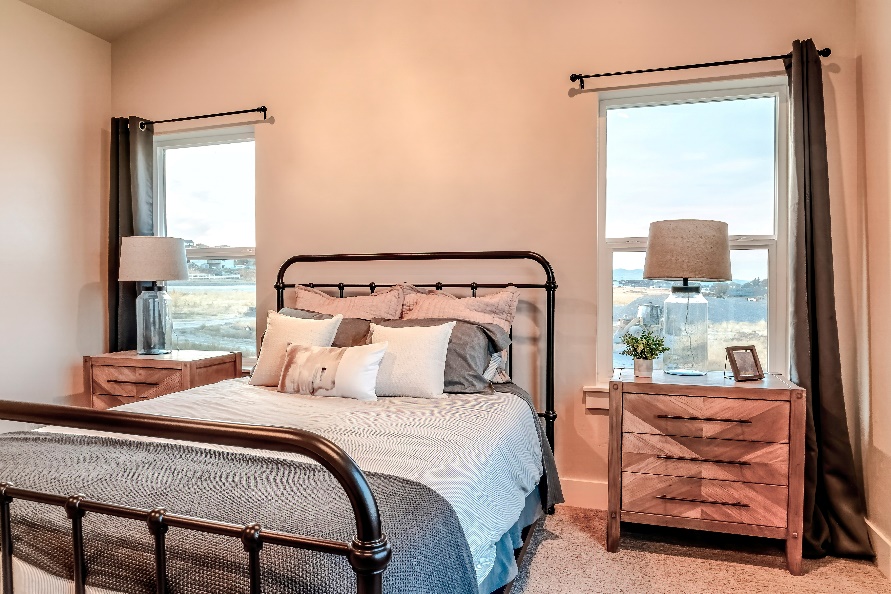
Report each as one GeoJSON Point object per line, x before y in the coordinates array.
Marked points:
{"type": "Point", "coordinates": [745, 363]}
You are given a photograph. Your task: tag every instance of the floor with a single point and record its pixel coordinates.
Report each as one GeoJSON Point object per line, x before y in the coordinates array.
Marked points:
{"type": "Point", "coordinates": [568, 556]}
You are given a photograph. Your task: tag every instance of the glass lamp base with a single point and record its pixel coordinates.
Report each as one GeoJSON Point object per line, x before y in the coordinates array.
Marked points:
{"type": "Point", "coordinates": [154, 323]}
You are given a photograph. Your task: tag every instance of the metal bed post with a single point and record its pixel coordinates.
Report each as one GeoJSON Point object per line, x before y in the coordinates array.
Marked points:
{"type": "Point", "coordinates": [5, 539]}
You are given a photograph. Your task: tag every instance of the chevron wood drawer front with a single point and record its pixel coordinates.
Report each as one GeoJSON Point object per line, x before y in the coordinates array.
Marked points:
{"type": "Point", "coordinates": [139, 382]}
{"type": "Point", "coordinates": [114, 379]}
{"type": "Point", "coordinates": [703, 499]}
{"type": "Point", "coordinates": [696, 416]}
{"type": "Point", "coordinates": [708, 453]}
{"type": "Point", "coordinates": [695, 457]}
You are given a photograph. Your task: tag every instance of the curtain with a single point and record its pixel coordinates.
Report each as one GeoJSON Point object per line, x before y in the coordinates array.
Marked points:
{"type": "Point", "coordinates": [833, 503]}
{"type": "Point", "coordinates": [130, 212]}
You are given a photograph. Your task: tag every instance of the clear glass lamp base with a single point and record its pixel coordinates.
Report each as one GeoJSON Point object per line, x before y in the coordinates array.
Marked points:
{"type": "Point", "coordinates": [154, 323]}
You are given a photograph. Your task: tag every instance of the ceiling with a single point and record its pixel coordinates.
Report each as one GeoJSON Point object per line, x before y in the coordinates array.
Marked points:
{"type": "Point", "coordinates": [107, 19]}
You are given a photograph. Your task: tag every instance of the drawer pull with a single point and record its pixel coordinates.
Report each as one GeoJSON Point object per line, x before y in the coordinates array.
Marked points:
{"type": "Point", "coordinates": [694, 459]}
{"type": "Point", "coordinates": [692, 500]}
{"type": "Point", "coordinates": [710, 419]}
{"type": "Point", "coordinates": [116, 381]}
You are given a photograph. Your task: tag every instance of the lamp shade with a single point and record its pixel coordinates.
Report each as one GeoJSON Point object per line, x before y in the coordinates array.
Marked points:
{"type": "Point", "coordinates": [153, 259]}
{"type": "Point", "coordinates": [688, 248]}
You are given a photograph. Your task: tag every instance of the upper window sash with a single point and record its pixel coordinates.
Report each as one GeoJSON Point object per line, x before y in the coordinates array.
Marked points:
{"type": "Point", "coordinates": [172, 140]}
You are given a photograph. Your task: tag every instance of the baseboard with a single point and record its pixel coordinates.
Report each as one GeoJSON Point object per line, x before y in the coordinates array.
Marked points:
{"type": "Point", "coordinates": [582, 493]}
{"type": "Point", "coordinates": [882, 545]}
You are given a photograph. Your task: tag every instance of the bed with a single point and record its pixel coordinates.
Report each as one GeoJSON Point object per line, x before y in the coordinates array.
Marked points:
{"type": "Point", "coordinates": [400, 495]}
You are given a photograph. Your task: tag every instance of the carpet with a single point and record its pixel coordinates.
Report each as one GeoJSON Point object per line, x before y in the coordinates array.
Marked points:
{"type": "Point", "coordinates": [568, 555]}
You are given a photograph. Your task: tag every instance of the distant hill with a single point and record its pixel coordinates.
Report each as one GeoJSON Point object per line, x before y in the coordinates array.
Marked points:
{"type": "Point", "coordinates": [625, 274]}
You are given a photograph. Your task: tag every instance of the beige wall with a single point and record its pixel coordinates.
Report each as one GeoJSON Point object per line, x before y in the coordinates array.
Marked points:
{"type": "Point", "coordinates": [55, 106]}
{"type": "Point", "coordinates": [874, 98]}
{"type": "Point", "coordinates": [411, 126]}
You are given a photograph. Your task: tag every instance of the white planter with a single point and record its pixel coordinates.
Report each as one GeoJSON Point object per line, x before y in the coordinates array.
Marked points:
{"type": "Point", "coordinates": [643, 368]}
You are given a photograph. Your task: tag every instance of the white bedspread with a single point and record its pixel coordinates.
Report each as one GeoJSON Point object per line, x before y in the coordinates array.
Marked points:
{"type": "Point", "coordinates": [480, 452]}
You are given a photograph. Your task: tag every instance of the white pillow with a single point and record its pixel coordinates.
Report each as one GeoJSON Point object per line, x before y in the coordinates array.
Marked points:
{"type": "Point", "coordinates": [282, 331]}
{"type": "Point", "coordinates": [414, 364]}
{"type": "Point", "coordinates": [348, 372]}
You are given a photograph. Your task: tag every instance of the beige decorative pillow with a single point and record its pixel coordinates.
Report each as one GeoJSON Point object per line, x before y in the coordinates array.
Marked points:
{"type": "Point", "coordinates": [281, 332]}
{"type": "Point", "coordinates": [386, 304]}
{"type": "Point", "coordinates": [498, 308]}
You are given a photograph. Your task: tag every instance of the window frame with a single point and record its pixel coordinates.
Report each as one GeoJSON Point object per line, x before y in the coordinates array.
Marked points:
{"type": "Point", "coordinates": [194, 138]}
{"type": "Point", "coordinates": [777, 245]}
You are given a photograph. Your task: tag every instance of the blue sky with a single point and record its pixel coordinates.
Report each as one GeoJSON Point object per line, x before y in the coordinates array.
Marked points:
{"type": "Point", "coordinates": [707, 160]}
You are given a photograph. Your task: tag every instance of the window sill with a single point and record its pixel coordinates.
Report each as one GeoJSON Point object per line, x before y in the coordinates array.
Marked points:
{"type": "Point", "coordinates": [596, 397]}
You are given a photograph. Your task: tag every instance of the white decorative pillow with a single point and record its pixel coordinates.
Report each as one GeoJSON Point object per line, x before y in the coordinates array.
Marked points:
{"type": "Point", "coordinates": [282, 331]}
{"type": "Point", "coordinates": [414, 364]}
{"type": "Point", "coordinates": [348, 372]}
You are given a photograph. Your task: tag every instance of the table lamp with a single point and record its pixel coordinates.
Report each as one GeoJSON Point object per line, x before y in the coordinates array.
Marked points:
{"type": "Point", "coordinates": [685, 250]}
{"type": "Point", "coordinates": [153, 259]}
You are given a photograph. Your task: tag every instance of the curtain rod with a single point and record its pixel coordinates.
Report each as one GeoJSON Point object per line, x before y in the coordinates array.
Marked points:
{"type": "Point", "coordinates": [581, 77]}
{"type": "Point", "coordinates": [261, 109]}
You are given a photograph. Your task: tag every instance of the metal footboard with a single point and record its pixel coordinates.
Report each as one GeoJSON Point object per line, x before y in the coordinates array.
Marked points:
{"type": "Point", "coordinates": [368, 554]}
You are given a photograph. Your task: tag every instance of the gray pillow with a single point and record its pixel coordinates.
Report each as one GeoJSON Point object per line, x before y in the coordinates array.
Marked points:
{"type": "Point", "coordinates": [352, 331]}
{"type": "Point", "coordinates": [470, 348]}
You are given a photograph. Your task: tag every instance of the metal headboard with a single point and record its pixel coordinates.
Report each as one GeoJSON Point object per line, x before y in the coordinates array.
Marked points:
{"type": "Point", "coordinates": [550, 287]}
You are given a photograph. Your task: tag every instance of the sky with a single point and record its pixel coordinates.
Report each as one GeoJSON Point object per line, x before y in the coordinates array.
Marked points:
{"type": "Point", "coordinates": [210, 194]}
{"type": "Point", "coordinates": [706, 160]}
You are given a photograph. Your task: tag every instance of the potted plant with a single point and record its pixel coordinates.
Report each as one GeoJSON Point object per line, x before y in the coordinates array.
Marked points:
{"type": "Point", "coordinates": [644, 347]}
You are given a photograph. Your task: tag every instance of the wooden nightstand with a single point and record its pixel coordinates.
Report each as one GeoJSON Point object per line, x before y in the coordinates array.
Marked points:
{"type": "Point", "coordinates": [121, 378]}
{"type": "Point", "coordinates": [708, 453]}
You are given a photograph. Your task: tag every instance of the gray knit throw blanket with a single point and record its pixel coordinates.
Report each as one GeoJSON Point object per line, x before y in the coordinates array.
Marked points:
{"type": "Point", "coordinates": [430, 553]}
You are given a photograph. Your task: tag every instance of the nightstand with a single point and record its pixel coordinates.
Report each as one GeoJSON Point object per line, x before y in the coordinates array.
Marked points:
{"type": "Point", "coordinates": [121, 378]}
{"type": "Point", "coordinates": [708, 453]}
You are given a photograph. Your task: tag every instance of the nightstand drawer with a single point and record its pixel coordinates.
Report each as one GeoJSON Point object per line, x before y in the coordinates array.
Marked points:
{"type": "Point", "coordinates": [703, 499]}
{"type": "Point", "coordinates": [698, 416]}
{"type": "Point", "coordinates": [696, 457]}
{"type": "Point", "coordinates": [136, 382]}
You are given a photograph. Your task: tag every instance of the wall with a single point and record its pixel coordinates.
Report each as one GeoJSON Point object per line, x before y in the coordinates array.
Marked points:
{"type": "Point", "coordinates": [54, 119]}
{"type": "Point", "coordinates": [414, 126]}
{"type": "Point", "coordinates": [874, 99]}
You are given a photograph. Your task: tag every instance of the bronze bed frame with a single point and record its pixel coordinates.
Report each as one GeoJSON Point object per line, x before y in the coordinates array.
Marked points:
{"type": "Point", "coordinates": [368, 554]}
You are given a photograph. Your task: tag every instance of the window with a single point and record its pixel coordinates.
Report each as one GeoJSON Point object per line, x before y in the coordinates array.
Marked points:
{"type": "Point", "coordinates": [205, 195]}
{"type": "Point", "coordinates": [709, 151]}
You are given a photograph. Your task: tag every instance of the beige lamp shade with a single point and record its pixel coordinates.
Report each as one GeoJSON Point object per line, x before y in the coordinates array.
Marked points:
{"type": "Point", "coordinates": [153, 259]}
{"type": "Point", "coordinates": [688, 248]}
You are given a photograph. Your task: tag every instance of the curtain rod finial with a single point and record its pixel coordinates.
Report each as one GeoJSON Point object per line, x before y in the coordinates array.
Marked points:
{"type": "Point", "coordinates": [825, 52]}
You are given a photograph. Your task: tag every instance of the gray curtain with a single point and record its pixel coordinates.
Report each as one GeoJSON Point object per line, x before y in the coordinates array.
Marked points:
{"type": "Point", "coordinates": [833, 502]}
{"type": "Point", "coordinates": [130, 212]}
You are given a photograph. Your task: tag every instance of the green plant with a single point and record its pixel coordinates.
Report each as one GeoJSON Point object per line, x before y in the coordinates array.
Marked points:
{"type": "Point", "coordinates": [646, 346]}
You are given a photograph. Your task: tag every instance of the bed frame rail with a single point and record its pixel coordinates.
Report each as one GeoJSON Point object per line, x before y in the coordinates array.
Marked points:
{"type": "Point", "coordinates": [550, 286]}
{"type": "Point", "coordinates": [368, 554]}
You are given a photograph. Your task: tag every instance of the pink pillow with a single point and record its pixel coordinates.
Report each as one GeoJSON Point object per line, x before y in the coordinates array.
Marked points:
{"type": "Point", "coordinates": [498, 308]}
{"type": "Point", "coordinates": [382, 304]}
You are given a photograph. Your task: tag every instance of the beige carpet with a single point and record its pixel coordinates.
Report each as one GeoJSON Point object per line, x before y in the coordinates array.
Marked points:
{"type": "Point", "coordinates": [568, 556]}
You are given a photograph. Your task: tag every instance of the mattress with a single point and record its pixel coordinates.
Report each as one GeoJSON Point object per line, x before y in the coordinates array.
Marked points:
{"type": "Point", "coordinates": [480, 452]}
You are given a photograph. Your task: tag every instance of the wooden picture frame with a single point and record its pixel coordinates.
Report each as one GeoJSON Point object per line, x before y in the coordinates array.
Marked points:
{"type": "Point", "coordinates": [745, 363]}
